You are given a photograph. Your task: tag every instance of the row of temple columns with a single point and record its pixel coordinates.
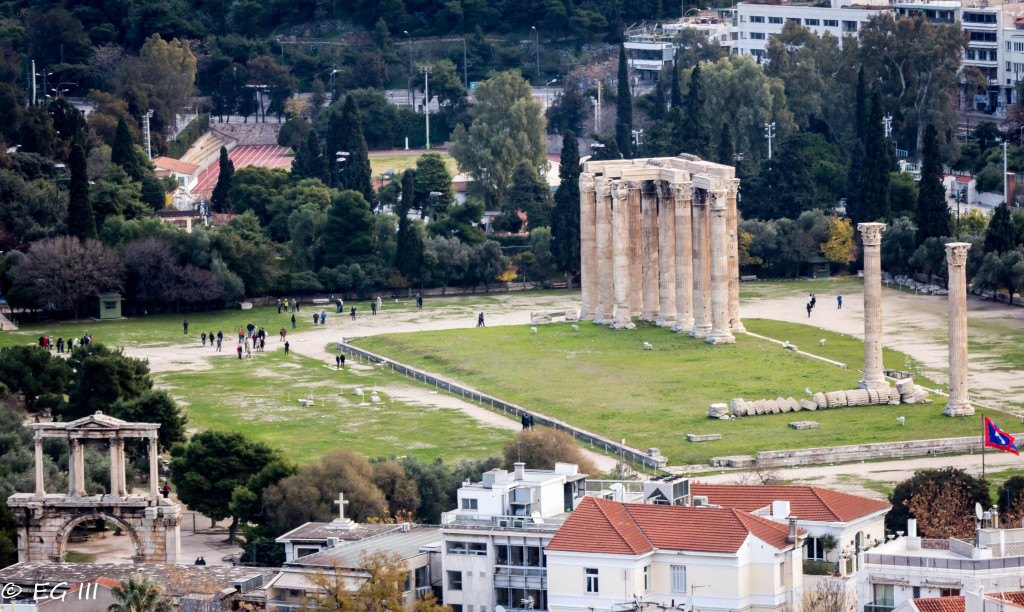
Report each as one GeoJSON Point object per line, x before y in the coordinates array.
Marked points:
{"type": "Point", "coordinates": [76, 467]}
{"type": "Point", "coordinates": [664, 251]}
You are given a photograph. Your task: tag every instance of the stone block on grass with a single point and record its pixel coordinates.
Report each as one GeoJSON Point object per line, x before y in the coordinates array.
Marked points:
{"type": "Point", "coordinates": [703, 437]}
{"type": "Point", "coordinates": [805, 425]}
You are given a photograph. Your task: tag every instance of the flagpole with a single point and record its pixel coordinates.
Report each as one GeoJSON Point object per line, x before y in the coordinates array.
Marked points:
{"type": "Point", "coordinates": [983, 432]}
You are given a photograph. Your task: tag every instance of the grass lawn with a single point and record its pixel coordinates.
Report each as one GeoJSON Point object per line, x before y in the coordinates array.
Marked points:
{"type": "Point", "coordinates": [259, 397]}
{"type": "Point", "coordinates": [379, 164]}
{"type": "Point", "coordinates": [73, 556]}
{"type": "Point", "coordinates": [602, 380]}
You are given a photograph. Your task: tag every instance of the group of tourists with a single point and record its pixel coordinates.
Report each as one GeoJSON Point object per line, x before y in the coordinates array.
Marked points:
{"type": "Point", "coordinates": [285, 303]}
{"type": "Point", "coordinates": [527, 421]}
{"type": "Point", "coordinates": [47, 343]}
{"type": "Point", "coordinates": [320, 318]}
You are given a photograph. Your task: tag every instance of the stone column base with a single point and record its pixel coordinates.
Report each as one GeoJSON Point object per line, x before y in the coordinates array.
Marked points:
{"type": "Point", "coordinates": [624, 325]}
{"type": "Point", "coordinates": [700, 331]}
{"type": "Point", "coordinates": [666, 321]}
{"type": "Point", "coordinates": [647, 316]}
{"type": "Point", "coordinates": [737, 328]}
{"type": "Point", "coordinates": [683, 327]}
{"type": "Point", "coordinates": [959, 409]}
{"type": "Point", "coordinates": [718, 337]}
{"type": "Point", "coordinates": [598, 320]}
{"type": "Point", "coordinates": [873, 384]}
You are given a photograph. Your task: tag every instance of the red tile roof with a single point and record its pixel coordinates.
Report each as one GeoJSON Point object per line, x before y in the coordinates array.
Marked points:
{"type": "Point", "coordinates": [604, 526]}
{"type": "Point", "coordinates": [174, 165]}
{"type": "Point", "coordinates": [940, 604]}
{"type": "Point", "coordinates": [807, 503]}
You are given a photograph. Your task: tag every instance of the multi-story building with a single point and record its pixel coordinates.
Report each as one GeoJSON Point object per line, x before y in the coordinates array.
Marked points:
{"type": "Point", "coordinates": [609, 555]}
{"type": "Point", "coordinates": [493, 543]}
{"type": "Point", "coordinates": [911, 568]}
{"type": "Point", "coordinates": [756, 22]}
{"type": "Point", "coordinates": [650, 48]}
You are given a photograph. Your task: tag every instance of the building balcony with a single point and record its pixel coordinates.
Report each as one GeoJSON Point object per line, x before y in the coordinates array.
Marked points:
{"type": "Point", "coordinates": [877, 608]}
{"type": "Point", "coordinates": [647, 64]}
{"type": "Point", "coordinates": [521, 577]}
{"type": "Point", "coordinates": [816, 567]}
{"type": "Point", "coordinates": [458, 520]}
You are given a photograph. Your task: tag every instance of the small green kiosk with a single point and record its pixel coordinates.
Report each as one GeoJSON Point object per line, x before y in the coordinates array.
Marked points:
{"type": "Point", "coordinates": [105, 305]}
{"type": "Point", "coordinates": [817, 267]}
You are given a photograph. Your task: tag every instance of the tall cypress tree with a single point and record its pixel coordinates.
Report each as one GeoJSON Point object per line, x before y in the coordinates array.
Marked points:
{"type": "Point", "coordinates": [219, 197]}
{"type": "Point", "coordinates": [624, 109]}
{"type": "Point", "coordinates": [408, 192]}
{"type": "Point", "coordinates": [409, 252]}
{"type": "Point", "coordinates": [658, 112]}
{"type": "Point", "coordinates": [725, 149]}
{"type": "Point", "coordinates": [123, 153]}
{"type": "Point", "coordinates": [153, 192]}
{"type": "Point", "coordinates": [334, 142]}
{"type": "Point", "coordinates": [932, 210]}
{"type": "Point", "coordinates": [565, 216]}
{"type": "Point", "coordinates": [309, 163]}
{"type": "Point", "coordinates": [860, 105]}
{"type": "Point", "coordinates": [1000, 235]}
{"type": "Point", "coordinates": [676, 99]}
{"type": "Point", "coordinates": [81, 218]}
{"type": "Point", "coordinates": [872, 191]}
{"type": "Point", "coordinates": [355, 171]}
{"type": "Point", "coordinates": [695, 134]}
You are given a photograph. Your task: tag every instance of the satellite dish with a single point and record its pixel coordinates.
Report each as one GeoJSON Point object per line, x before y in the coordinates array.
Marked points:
{"type": "Point", "coordinates": [499, 608]}
{"type": "Point", "coordinates": [978, 511]}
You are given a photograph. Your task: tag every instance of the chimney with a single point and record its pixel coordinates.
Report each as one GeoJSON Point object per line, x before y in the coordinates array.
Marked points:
{"type": "Point", "coordinates": [520, 469]}
{"type": "Point", "coordinates": [995, 517]}
{"type": "Point", "coordinates": [792, 531]}
{"type": "Point", "coordinates": [911, 528]}
{"type": "Point", "coordinates": [780, 510]}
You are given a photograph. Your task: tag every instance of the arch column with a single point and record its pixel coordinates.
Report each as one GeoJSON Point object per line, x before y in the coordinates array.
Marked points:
{"type": "Point", "coordinates": [40, 484]}
{"type": "Point", "coordinates": [871, 237]}
{"type": "Point", "coordinates": [701, 266]}
{"type": "Point", "coordinates": [154, 480]}
{"type": "Point", "coordinates": [76, 468]}
{"type": "Point", "coordinates": [684, 256]}
{"type": "Point", "coordinates": [588, 248]}
{"type": "Point", "coordinates": [605, 270]}
{"type": "Point", "coordinates": [649, 248]}
{"type": "Point", "coordinates": [719, 255]}
{"type": "Point", "coordinates": [959, 402]}
{"type": "Point", "coordinates": [666, 257]}
{"type": "Point", "coordinates": [621, 195]}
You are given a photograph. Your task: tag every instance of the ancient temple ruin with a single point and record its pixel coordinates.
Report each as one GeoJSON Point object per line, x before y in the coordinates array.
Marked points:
{"type": "Point", "coordinates": [659, 241]}
{"type": "Point", "coordinates": [46, 520]}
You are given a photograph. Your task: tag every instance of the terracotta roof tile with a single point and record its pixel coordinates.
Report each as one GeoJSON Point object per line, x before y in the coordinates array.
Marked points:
{"type": "Point", "coordinates": [940, 604]}
{"type": "Point", "coordinates": [604, 526]}
{"type": "Point", "coordinates": [807, 503]}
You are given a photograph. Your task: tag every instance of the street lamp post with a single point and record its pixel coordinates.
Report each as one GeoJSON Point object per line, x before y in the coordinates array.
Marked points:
{"type": "Point", "coordinates": [340, 157]}
{"type": "Point", "coordinates": [769, 133]}
{"type": "Point", "coordinates": [465, 72]}
{"type": "Point", "coordinates": [536, 49]}
{"type": "Point", "coordinates": [412, 104]}
{"type": "Point", "coordinates": [426, 98]}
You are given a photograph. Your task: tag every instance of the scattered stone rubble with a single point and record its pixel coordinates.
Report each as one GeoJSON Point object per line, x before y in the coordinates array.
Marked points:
{"type": "Point", "coordinates": [903, 392]}
{"type": "Point", "coordinates": [914, 284]}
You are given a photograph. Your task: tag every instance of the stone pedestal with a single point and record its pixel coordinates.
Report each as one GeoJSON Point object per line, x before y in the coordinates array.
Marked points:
{"type": "Point", "coordinates": [719, 234]}
{"type": "Point", "coordinates": [588, 248]}
{"type": "Point", "coordinates": [649, 249]}
{"type": "Point", "coordinates": [666, 258]}
{"type": "Point", "coordinates": [620, 256]}
{"type": "Point", "coordinates": [605, 269]}
{"type": "Point", "coordinates": [871, 237]}
{"type": "Point", "coordinates": [684, 258]}
{"type": "Point", "coordinates": [701, 266]}
{"type": "Point", "coordinates": [732, 219]}
{"type": "Point", "coordinates": [959, 403]}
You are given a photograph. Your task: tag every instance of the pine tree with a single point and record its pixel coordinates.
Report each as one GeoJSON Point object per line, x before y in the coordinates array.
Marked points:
{"type": "Point", "coordinates": [725, 150]}
{"type": "Point", "coordinates": [309, 162]}
{"type": "Point", "coordinates": [624, 109]}
{"type": "Point", "coordinates": [355, 171]}
{"type": "Point", "coordinates": [81, 218]}
{"type": "Point", "coordinates": [860, 105]}
{"type": "Point", "coordinates": [219, 198]}
{"type": "Point", "coordinates": [565, 216]}
{"type": "Point", "coordinates": [123, 153]}
{"type": "Point", "coordinates": [153, 193]}
{"type": "Point", "coordinates": [1000, 235]}
{"type": "Point", "coordinates": [932, 209]}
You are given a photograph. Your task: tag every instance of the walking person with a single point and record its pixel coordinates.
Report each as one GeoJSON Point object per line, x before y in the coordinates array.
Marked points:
{"type": "Point", "coordinates": [342, 360]}
{"type": "Point", "coordinates": [239, 347]}
{"type": "Point", "coordinates": [323, 317]}
{"type": "Point", "coordinates": [337, 361]}
{"type": "Point", "coordinates": [380, 303]}
{"type": "Point", "coordinates": [839, 301]}
{"type": "Point", "coordinates": [373, 307]}
{"type": "Point", "coordinates": [286, 345]}
{"type": "Point", "coordinates": [353, 313]}
{"type": "Point", "coordinates": [218, 344]}
{"type": "Point", "coordinates": [809, 307]}
{"type": "Point", "coordinates": [316, 318]}
{"type": "Point", "coordinates": [278, 305]}
{"type": "Point", "coordinates": [284, 332]}
{"type": "Point", "coordinates": [211, 339]}
{"type": "Point", "coordinates": [340, 304]}
{"type": "Point", "coordinates": [293, 320]}
{"type": "Point", "coordinates": [480, 320]}
{"type": "Point", "coordinates": [814, 301]}
{"type": "Point", "coordinates": [419, 301]}
{"type": "Point", "coordinates": [248, 350]}
{"type": "Point", "coordinates": [185, 325]}
{"type": "Point", "coordinates": [203, 336]}
{"type": "Point", "coordinates": [286, 304]}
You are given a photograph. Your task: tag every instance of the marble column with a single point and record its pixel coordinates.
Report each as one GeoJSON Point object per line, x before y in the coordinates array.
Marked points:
{"type": "Point", "coordinates": [649, 250]}
{"type": "Point", "coordinates": [621, 194]}
{"type": "Point", "coordinates": [719, 253]}
{"type": "Point", "coordinates": [666, 257]}
{"type": "Point", "coordinates": [122, 476]}
{"type": "Point", "coordinates": [956, 256]}
{"type": "Point", "coordinates": [588, 248]}
{"type": "Point", "coordinates": [115, 468]}
{"type": "Point", "coordinates": [154, 458]}
{"type": "Point", "coordinates": [76, 469]}
{"type": "Point", "coordinates": [871, 237]}
{"type": "Point", "coordinates": [684, 257]}
{"type": "Point", "coordinates": [701, 266]}
{"type": "Point", "coordinates": [605, 269]}
{"type": "Point", "coordinates": [635, 238]}
{"type": "Point", "coordinates": [40, 484]}
{"type": "Point", "coordinates": [735, 323]}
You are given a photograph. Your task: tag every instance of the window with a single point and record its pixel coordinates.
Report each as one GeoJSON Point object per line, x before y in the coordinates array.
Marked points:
{"type": "Point", "coordinates": [469, 503]}
{"type": "Point", "coordinates": [831, 23]}
{"type": "Point", "coordinates": [917, 592]}
{"type": "Point", "coordinates": [647, 577]}
{"type": "Point", "coordinates": [455, 581]}
{"type": "Point", "coordinates": [469, 608]}
{"type": "Point", "coordinates": [814, 549]}
{"type": "Point", "coordinates": [467, 548]}
{"type": "Point", "coordinates": [678, 578]}
{"type": "Point", "coordinates": [775, 20]}
{"type": "Point", "coordinates": [756, 19]}
{"type": "Point", "coordinates": [884, 595]}
{"type": "Point", "coordinates": [949, 592]}
{"type": "Point", "coordinates": [969, 54]}
{"type": "Point", "coordinates": [849, 26]}
{"type": "Point", "coordinates": [795, 20]}
{"type": "Point", "coordinates": [591, 580]}
{"type": "Point", "coordinates": [456, 607]}
{"type": "Point", "coordinates": [757, 52]}
{"type": "Point", "coordinates": [983, 36]}
{"type": "Point", "coordinates": [979, 18]}
{"type": "Point", "coordinates": [757, 35]}
{"type": "Point", "coordinates": [812, 22]}
{"type": "Point", "coordinates": [1018, 46]}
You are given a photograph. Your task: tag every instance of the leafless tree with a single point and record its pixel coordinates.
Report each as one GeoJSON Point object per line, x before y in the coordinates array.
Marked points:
{"type": "Point", "coordinates": [829, 594]}
{"type": "Point", "coordinates": [63, 270]}
{"type": "Point", "coordinates": [943, 510]}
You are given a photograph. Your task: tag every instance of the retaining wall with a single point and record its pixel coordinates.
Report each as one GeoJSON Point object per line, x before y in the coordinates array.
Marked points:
{"type": "Point", "coordinates": [251, 133]}
{"type": "Point", "coordinates": [880, 450]}
{"type": "Point", "coordinates": [628, 452]}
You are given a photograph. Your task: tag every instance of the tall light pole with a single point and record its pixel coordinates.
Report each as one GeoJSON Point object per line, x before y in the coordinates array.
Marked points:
{"type": "Point", "coordinates": [769, 133]}
{"type": "Point", "coordinates": [426, 98]}
{"type": "Point", "coordinates": [887, 123]}
{"type": "Point", "coordinates": [536, 49]}
{"type": "Point", "coordinates": [340, 157]}
{"type": "Point", "coordinates": [412, 104]}
{"type": "Point", "coordinates": [149, 139]}
{"type": "Point", "coordinates": [465, 72]}
{"type": "Point", "coordinates": [281, 44]}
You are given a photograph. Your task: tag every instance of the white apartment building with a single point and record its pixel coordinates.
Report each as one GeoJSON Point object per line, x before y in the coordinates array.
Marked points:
{"type": "Point", "coordinates": [609, 555]}
{"type": "Point", "coordinates": [912, 568]}
{"type": "Point", "coordinates": [493, 543]}
{"type": "Point", "coordinates": [650, 48]}
{"type": "Point", "coordinates": [756, 22]}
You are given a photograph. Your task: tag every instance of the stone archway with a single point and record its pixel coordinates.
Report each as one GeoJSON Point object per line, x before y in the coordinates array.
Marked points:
{"type": "Point", "coordinates": [61, 539]}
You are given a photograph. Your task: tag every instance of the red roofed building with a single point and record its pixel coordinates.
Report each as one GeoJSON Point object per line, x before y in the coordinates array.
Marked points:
{"type": "Point", "coordinates": [1007, 601]}
{"type": "Point", "coordinates": [608, 552]}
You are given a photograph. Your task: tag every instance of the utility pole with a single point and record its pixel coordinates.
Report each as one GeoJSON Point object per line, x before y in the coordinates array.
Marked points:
{"type": "Point", "coordinates": [149, 139]}
{"type": "Point", "coordinates": [536, 49]}
{"type": "Point", "coordinates": [1006, 182]}
{"type": "Point", "coordinates": [412, 104]}
{"type": "Point", "coordinates": [465, 72]}
{"type": "Point", "coordinates": [769, 133]}
{"type": "Point", "coordinates": [33, 82]}
{"type": "Point", "coordinates": [426, 98]}
{"type": "Point", "coordinates": [887, 123]}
